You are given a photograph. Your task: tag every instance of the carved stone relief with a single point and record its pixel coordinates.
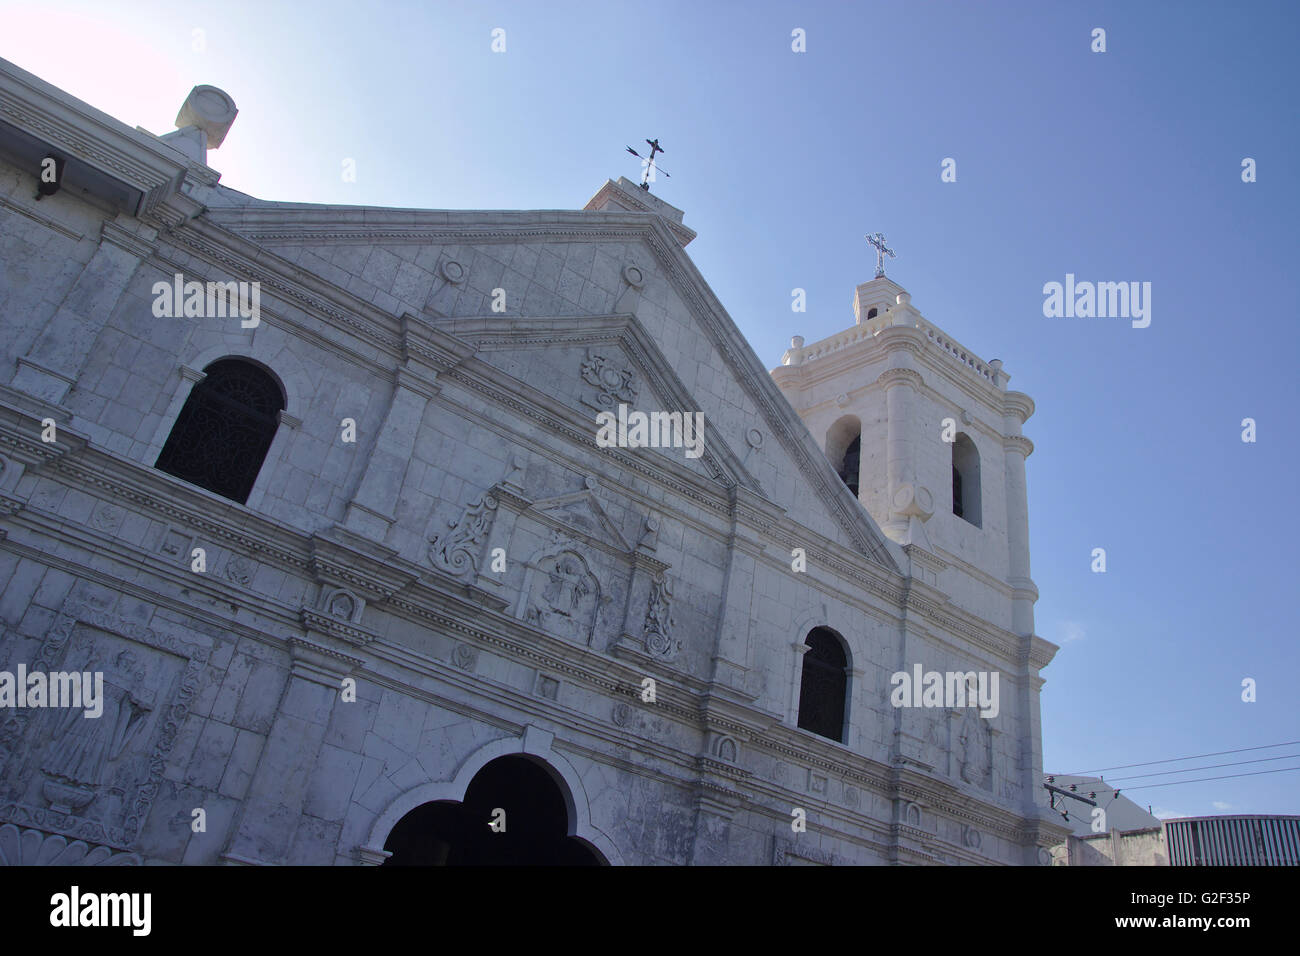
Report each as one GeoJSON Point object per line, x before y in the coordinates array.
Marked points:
{"type": "Point", "coordinates": [465, 657]}
{"type": "Point", "coordinates": [611, 383]}
{"type": "Point", "coordinates": [29, 847]}
{"type": "Point", "coordinates": [659, 640]}
{"type": "Point", "coordinates": [563, 596]}
{"type": "Point", "coordinates": [240, 570]}
{"type": "Point", "coordinates": [974, 741]}
{"type": "Point", "coordinates": [342, 605]}
{"type": "Point", "coordinates": [94, 779]}
{"type": "Point", "coordinates": [458, 550]}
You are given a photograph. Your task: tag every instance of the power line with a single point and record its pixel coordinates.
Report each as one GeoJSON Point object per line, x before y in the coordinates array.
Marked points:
{"type": "Point", "coordinates": [1175, 783]}
{"type": "Point", "coordinates": [1213, 766]}
{"type": "Point", "coordinates": [1152, 763]}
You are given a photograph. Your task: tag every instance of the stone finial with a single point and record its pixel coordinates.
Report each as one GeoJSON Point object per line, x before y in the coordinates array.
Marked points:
{"type": "Point", "coordinates": [210, 110]}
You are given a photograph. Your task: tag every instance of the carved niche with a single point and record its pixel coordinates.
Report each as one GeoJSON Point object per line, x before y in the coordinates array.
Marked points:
{"type": "Point", "coordinates": [341, 604]}
{"type": "Point", "coordinates": [561, 595]}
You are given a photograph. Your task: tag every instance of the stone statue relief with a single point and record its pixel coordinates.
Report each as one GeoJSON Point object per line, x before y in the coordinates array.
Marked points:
{"type": "Point", "coordinates": [974, 749]}
{"type": "Point", "coordinates": [563, 597]}
{"type": "Point", "coordinates": [82, 748]}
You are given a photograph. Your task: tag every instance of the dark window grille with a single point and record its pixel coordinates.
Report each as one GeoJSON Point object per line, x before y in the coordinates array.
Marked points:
{"type": "Point", "coordinates": [224, 430]}
{"type": "Point", "coordinates": [852, 465]}
{"type": "Point", "coordinates": [824, 685]}
{"type": "Point", "coordinates": [956, 492]}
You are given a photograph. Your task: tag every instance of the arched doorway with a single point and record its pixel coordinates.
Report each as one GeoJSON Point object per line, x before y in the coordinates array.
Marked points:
{"type": "Point", "coordinates": [446, 833]}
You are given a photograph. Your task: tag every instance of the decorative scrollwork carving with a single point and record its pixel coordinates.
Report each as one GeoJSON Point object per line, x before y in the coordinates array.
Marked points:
{"type": "Point", "coordinates": [659, 621]}
{"type": "Point", "coordinates": [457, 551]}
{"type": "Point", "coordinates": [611, 385]}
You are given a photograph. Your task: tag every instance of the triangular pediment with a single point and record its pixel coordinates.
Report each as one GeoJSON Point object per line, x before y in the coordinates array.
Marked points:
{"type": "Point", "coordinates": [595, 364]}
{"type": "Point", "coordinates": [581, 515]}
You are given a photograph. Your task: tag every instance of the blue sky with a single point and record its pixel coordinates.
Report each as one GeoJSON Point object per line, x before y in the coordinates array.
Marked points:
{"type": "Point", "coordinates": [1115, 166]}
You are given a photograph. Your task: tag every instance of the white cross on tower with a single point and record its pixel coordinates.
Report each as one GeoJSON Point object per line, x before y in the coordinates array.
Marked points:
{"type": "Point", "coordinates": [882, 250]}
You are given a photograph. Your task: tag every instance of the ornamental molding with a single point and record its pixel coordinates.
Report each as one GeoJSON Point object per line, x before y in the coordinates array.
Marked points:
{"type": "Point", "coordinates": [32, 847]}
{"type": "Point", "coordinates": [141, 247]}
{"type": "Point", "coordinates": [784, 851]}
{"type": "Point", "coordinates": [1018, 443]}
{"type": "Point", "coordinates": [322, 623]}
{"type": "Point", "coordinates": [900, 376]}
{"type": "Point", "coordinates": [43, 221]}
{"type": "Point", "coordinates": [925, 558]}
{"type": "Point", "coordinates": [105, 145]}
{"type": "Point", "coordinates": [251, 264]}
{"type": "Point", "coordinates": [552, 654]}
{"type": "Point", "coordinates": [1019, 404]}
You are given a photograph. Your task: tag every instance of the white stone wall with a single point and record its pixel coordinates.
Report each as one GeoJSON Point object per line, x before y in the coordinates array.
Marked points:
{"type": "Point", "coordinates": [364, 316]}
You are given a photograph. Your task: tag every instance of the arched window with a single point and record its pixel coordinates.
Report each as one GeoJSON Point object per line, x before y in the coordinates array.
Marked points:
{"type": "Point", "coordinates": [224, 429]}
{"type": "Point", "coordinates": [844, 449]}
{"type": "Point", "coordinates": [966, 480]}
{"type": "Point", "coordinates": [871, 313]}
{"type": "Point", "coordinates": [824, 687]}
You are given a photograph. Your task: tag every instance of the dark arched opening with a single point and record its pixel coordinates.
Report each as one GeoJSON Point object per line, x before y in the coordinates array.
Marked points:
{"type": "Point", "coordinates": [225, 429]}
{"type": "Point", "coordinates": [844, 449]}
{"type": "Point", "coordinates": [535, 816]}
{"type": "Point", "coordinates": [966, 480]}
{"type": "Point", "coordinates": [823, 688]}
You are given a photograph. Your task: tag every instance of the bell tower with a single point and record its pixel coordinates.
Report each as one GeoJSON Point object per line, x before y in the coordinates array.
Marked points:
{"type": "Point", "coordinates": [930, 436]}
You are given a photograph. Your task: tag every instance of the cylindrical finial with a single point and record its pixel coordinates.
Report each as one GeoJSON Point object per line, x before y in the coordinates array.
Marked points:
{"type": "Point", "coordinates": [211, 110]}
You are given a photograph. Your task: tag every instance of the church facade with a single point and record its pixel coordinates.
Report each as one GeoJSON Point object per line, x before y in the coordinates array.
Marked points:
{"type": "Point", "coordinates": [398, 536]}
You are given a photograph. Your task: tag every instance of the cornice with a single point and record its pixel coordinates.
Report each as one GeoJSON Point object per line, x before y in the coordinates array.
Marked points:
{"type": "Point", "coordinates": [1018, 404]}
{"type": "Point", "coordinates": [142, 247]}
{"type": "Point", "coordinates": [900, 376]}
{"type": "Point", "coordinates": [1037, 653]}
{"type": "Point", "coordinates": [320, 622]}
{"type": "Point", "coordinates": [900, 338]}
{"type": "Point", "coordinates": [307, 291]}
{"type": "Point", "coordinates": [1018, 443]}
{"type": "Point", "coordinates": [44, 222]}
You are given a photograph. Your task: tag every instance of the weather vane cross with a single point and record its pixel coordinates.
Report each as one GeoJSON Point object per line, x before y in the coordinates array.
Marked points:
{"type": "Point", "coordinates": [882, 250]}
{"type": "Point", "coordinates": [649, 162]}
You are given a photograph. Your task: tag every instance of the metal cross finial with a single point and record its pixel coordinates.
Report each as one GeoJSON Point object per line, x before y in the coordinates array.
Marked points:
{"type": "Point", "coordinates": [882, 250]}
{"type": "Point", "coordinates": [651, 167]}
